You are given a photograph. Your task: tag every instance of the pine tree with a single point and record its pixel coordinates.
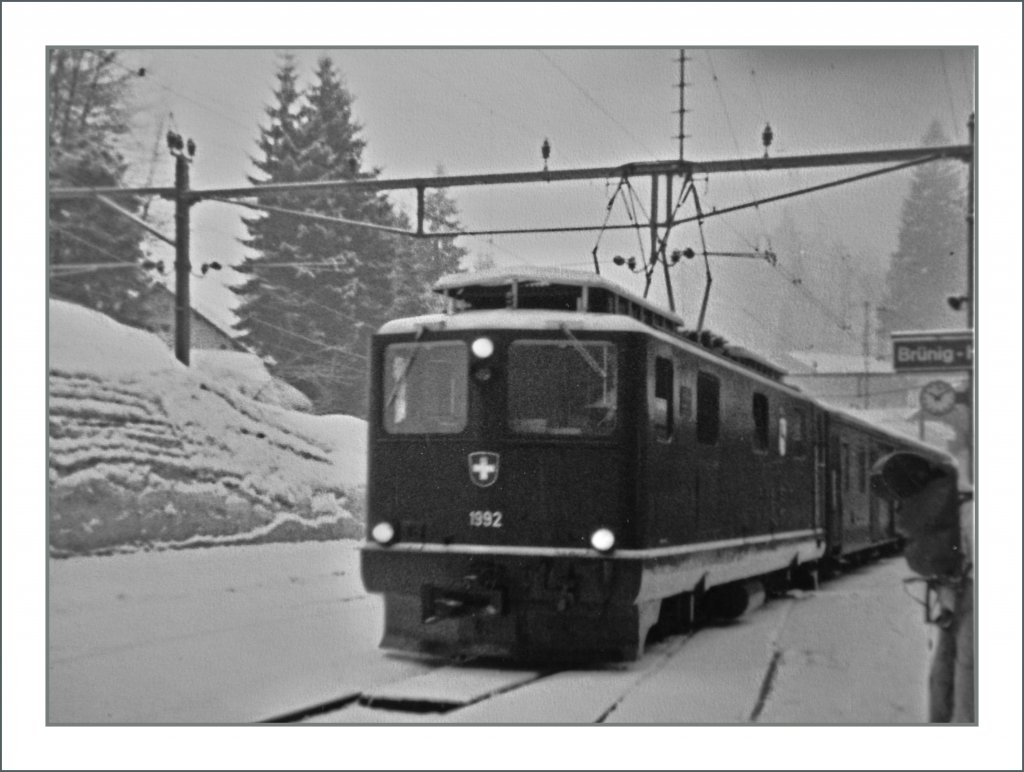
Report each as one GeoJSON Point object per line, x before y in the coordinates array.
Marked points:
{"type": "Point", "coordinates": [424, 260]}
{"type": "Point", "coordinates": [316, 291]}
{"type": "Point", "coordinates": [929, 263]}
{"type": "Point", "coordinates": [86, 115]}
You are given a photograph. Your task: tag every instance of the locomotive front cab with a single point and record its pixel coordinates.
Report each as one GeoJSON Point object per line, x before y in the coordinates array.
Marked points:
{"type": "Point", "coordinates": [502, 475]}
{"type": "Point", "coordinates": [497, 437]}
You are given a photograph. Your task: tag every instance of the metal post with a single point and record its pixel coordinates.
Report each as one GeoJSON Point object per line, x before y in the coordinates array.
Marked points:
{"type": "Point", "coordinates": [654, 217]}
{"type": "Point", "coordinates": [867, 354]}
{"type": "Point", "coordinates": [970, 292]}
{"type": "Point", "coordinates": [664, 242]}
{"type": "Point", "coordinates": [420, 210]}
{"type": "Point", "coordinates": [649, 269]}
{"type": "Point", "coordinates": [182, 266]}
{"type": "Point", "coordinates": [682, 100]}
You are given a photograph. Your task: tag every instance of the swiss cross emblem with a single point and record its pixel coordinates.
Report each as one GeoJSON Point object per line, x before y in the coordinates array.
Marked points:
{"type": "Point", "coordinates": [483, 469]}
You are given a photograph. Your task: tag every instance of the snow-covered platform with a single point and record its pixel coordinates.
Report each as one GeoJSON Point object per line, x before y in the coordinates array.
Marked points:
{"type": "Point", "coordinates": [241, 634]}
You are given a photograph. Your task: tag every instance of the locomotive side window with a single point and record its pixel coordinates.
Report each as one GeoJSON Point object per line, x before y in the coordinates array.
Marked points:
{"type": "Point", "coordinates": [760, 412]}
{"type": "Point", "coordinates": [663, 414]}
{"type": "Point", "coordinates": [798, 433]}
{"type": "Point", "coordinates": [685, 402]}
{"type": "Point", "coordinates": [425, 387]}
{"type": "Point", "coordinates": [707, 408]}
{"type": "Point", "coordinates": [562, 387]}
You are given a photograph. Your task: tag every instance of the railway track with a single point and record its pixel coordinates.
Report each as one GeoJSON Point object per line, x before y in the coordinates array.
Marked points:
{"type": "Point", "coordinates": [483, 693]}
{"type": "Point", "coordinates": [839, 651]}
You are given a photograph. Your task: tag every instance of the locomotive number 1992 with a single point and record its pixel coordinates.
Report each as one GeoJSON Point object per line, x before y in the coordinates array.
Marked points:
{"type": "Point", "coordinates": [485, 519]}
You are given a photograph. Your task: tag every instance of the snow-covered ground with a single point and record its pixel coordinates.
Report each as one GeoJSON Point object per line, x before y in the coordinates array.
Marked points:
{"type": "Point", "coordinates": [218, 635]}
{"type": "Point", "coordinates": [145, 452]}
{"type": "Point", "coordinates": [243, 633]}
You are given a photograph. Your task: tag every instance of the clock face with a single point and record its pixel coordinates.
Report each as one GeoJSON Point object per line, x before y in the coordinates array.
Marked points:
{"type": "Point", "coordinates": [938, 398]}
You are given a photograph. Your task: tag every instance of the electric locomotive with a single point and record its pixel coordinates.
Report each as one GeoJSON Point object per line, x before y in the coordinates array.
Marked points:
{"type": "Point", "coordinates": [556, 465]}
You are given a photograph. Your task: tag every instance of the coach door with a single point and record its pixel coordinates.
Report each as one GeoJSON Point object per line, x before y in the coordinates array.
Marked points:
{"type": "Point", "coordinates": [708, 430]}
{"type": "Point", "coordinates": [837, 477]}
{"type": "Point", "coordinates": [668, 489]}
{"type": "Point", "coordinates": [821, 482]}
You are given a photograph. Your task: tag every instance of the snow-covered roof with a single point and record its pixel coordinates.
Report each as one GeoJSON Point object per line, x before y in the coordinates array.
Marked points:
{"type": "Point", "coordinates": [545, 275]}
{"type": "Point", "coordinates": [827, 362]}
{"type": "Point", "coordinates": [944, 333]}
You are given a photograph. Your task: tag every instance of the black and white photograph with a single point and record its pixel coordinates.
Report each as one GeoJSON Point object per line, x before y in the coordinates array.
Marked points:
{"type": "Point", "coordinates": [515, 386]}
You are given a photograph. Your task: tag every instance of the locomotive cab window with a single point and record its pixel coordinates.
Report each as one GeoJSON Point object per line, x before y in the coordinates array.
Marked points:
{"type": "Point", "coordinates": [425, 388]}
{"type": "Point", "coordinates": [563, 387]}
{"type": "Point", "coordinates": [708, 388]}
{"type": "Point", "coordinates": [760, 414]}
{"type": "Point", "coordinates": [663, 415]}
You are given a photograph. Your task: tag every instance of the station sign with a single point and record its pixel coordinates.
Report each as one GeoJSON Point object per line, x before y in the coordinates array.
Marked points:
{"type": "Point", "coordinates": [937, 351]}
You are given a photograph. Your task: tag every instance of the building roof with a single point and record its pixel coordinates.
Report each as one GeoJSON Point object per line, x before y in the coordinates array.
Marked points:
{"type": "Point", "coordinates": [829, 363]}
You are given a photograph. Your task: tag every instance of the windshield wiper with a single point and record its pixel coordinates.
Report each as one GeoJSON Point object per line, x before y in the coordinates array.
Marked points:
{"type": "Point", "coordinates": [405, 371]}
{"type": "Point", "coordinates": [582, 351]}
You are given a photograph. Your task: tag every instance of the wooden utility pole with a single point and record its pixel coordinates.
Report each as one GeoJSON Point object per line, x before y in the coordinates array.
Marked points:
{"type": "Point", "coordinates": [182, 266]}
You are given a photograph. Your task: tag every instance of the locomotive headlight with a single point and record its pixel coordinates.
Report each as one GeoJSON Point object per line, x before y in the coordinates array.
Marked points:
{"type": "Point", "coordinates": [602, 540]}
{"type": "Point", "coordinates": [383, 533]}
{"type": "Point", "coordinates": [482, 348]}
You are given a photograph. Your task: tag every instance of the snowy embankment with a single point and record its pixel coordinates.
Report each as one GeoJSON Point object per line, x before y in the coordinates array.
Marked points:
{"type": "Point", "coordinates": [145, 452]}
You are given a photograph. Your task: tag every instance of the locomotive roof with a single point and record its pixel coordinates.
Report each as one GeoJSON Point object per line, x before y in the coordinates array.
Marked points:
{"type": "Point", "coordinates": [540, 276]}
{"type": "Point", "coordinates": [613, 301]}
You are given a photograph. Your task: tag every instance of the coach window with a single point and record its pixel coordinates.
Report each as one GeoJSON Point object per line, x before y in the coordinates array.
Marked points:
{"type": "Point", "coordinates": [707, 408]}
{"type": "Point", "coordinates": [663, 388]}
{"type": "Point", "coordinates": [760, 412]}
{"type": "Point", "coordinates": [846, 467]}
{"type": "Point", "coordinates": [783, 435]}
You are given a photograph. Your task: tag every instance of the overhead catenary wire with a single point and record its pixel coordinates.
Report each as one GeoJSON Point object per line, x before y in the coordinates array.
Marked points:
{"type": "Point", "coordinates": [595, 103]}
{"type": "Point", "coordinates": [732, 132]}
{"type": "Point", "coordinates": [949, 93]}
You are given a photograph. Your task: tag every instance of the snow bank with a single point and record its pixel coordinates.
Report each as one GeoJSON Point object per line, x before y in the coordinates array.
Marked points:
{"type": "Point", "coordinates": [147, 452]}
{"type": "Point", "coordinates": [246, 374]}
{"type": "Point", "coordinates": [85, 341]}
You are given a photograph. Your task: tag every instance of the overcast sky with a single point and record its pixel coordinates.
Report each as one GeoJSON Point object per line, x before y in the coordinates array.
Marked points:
{"type": "Point", "coordinates": [488, 110]}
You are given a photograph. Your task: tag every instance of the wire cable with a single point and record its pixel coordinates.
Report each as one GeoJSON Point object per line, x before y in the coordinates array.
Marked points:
{"type": "Point", "coordinates": [595, 103]}
{"type": "Point", "coordinates": [728, 120]}
{"type": "Point", "coordinates": [67, 232]}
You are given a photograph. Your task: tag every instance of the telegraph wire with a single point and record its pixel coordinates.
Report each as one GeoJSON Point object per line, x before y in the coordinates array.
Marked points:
{"type": "Point", "coordinates": [760, 98]}
{"type": "Point", "coordinates": [595, 103]}
{"type": "Point", "coordinates": [324, 346]}
{"type": "Point", "coordinates": [67, 232]}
